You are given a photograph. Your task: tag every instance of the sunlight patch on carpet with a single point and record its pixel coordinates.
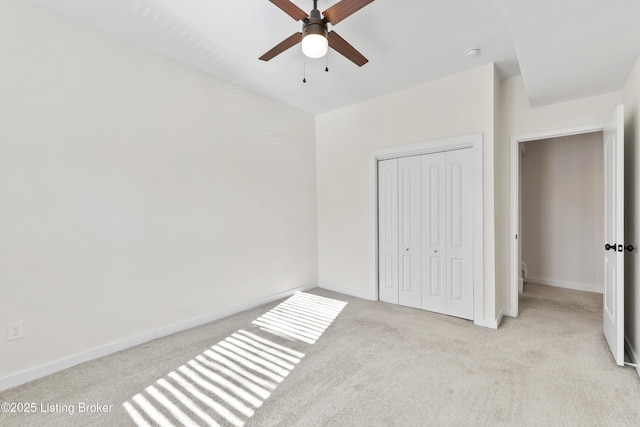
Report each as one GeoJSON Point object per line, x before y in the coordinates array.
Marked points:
{"type": "Point", "coordinates": [302, 317]}
{"type": "Point", "coordinates": [227, 383]}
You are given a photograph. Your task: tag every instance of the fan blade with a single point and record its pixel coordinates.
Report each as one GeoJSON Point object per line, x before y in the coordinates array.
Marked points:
{"type": "Point", "coordinates": [343, 9]}
{"type": "Point", "coordinates": [341, 46]}
{"type": "Point", "coordinates": [290, 9]}
{"type": "Point", "coordinates": [285, 44]}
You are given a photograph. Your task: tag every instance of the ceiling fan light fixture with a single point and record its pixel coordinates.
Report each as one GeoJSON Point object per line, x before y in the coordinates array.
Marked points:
{"type": "Point", "coordinates": [315, 45]}
{"type": "Point", "coordinates": [314, 36]}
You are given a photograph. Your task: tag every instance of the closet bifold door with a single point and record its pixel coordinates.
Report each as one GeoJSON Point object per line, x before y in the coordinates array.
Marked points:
{"type": "Point", "coordinates": [459, 229]}
{"type": "Point", "coordinates": [434, 287]}
{"type": "Point", "coordinates": [447, 233]}
{"type": "Point", "coordinates": [409, 248]}
{"type": "Point", "coordinates": [388, 230]}
{"type": "Point", "coordinates": [425, 232]}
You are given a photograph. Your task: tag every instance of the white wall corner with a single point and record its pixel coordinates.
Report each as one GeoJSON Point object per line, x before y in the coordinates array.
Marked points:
{"type": "Point", "coordinates": [369, 296]}
{"type": "Point", "coordinates": [46, 369]}
{"type": "Point", "coordinates": [507, 311]}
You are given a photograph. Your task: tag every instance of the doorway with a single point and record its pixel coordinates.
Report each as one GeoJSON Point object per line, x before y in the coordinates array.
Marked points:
{"type": "Point", "coordinates": [562, 211]}
{"type": "Point", "coordinates": [515, 249]}
{"type": "Point", "coordinates": [613, 251]}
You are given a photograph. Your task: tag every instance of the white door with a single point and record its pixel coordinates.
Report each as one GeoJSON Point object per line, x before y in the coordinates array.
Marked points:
{"type": "Point", "coordinates": [447, 235]}
{"type": "Point", "coordinates": [388, 230]}
{"type": "Point", "coordinates": [613, 299]}
{"type": "Point", "coordinates": [459, 228]}
{"type": "Point", "coordinates": [410, 286]}
{"type": "Point", "coordinates": [434, 287]}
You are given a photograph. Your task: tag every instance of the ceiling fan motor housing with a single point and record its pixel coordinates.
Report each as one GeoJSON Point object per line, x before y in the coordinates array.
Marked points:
{"type": "Point", "coordinates": [314, 24]}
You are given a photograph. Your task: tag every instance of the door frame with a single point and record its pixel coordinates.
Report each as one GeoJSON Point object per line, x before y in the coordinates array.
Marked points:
{"type": "Point", "coordinates": [515, 225]}
{"type": "Point", "coordinates": [473, 141]}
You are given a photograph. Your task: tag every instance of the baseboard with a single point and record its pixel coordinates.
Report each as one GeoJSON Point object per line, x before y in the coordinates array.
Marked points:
{"type": "Point", "coordinates": [86, 356]}
{"type": "Point", "coordinates": [492, 324]}
{"type": "Point", "coordinates": [346, 291]}
{"type": "Point", "coordinates": [488, 323]}
{"type": "Point", "coordinates": [631, 352]}
{"type": "Point", "coordinates": [565, 284]}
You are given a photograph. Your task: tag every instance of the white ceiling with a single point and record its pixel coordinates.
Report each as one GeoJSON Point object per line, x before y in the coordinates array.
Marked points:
{"type": "Point", "coordinates": [564, 49]}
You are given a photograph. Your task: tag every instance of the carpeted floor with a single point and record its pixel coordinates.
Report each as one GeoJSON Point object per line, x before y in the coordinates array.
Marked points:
{"type": "Point", "coordinates": [377, 365]}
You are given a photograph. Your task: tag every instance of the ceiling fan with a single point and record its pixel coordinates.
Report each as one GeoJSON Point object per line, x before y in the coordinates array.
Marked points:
{"type": "Point", "coordinates": [314, 37]}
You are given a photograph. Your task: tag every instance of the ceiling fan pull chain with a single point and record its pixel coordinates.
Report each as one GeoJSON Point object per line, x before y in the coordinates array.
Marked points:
{"type": "Point", "coordinates": [304, 69]}
{"type": "Point", "coordinates": [326, 62]}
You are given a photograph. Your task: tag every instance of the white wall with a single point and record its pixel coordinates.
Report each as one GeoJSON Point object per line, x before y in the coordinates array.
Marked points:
{"type": "Point", "coordinates": [518, 118]}
{"type": "Point", "coordinates": [137, 193]}
{"type": "Point", "coordinates": [456, 105]}
{"type": "Point", "coordinates": [631, 95]}
{"type": "Point", "coordinates": [563, 211]}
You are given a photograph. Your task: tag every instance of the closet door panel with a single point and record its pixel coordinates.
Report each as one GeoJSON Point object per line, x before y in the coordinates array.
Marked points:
{"type": "Point", "coordinates": [434, 292]}
{"type": "Point", "coordinates": [410, 288]}
{"type": "Point", "coordinates": [425, 232]}
{"type": "Point", "coordinates": [459, 231]}
{"type": "Point", "coordinates": [388, 230]}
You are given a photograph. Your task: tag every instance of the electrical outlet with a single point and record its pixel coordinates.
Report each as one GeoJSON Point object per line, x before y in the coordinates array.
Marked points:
{"type": "Point", "coordinates": [15, 330]}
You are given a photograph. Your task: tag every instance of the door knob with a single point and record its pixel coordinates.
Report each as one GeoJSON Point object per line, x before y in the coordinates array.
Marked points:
{"type": "Point", "coordinates": [619, 248]}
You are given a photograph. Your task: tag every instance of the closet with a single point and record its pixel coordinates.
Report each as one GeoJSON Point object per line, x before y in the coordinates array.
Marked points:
{"type": "Point", "coordinates": [425, 232]}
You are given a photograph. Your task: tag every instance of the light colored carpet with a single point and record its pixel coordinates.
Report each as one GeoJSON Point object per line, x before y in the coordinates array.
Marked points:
{"type": "Point", "coordinates": [383, 365]}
